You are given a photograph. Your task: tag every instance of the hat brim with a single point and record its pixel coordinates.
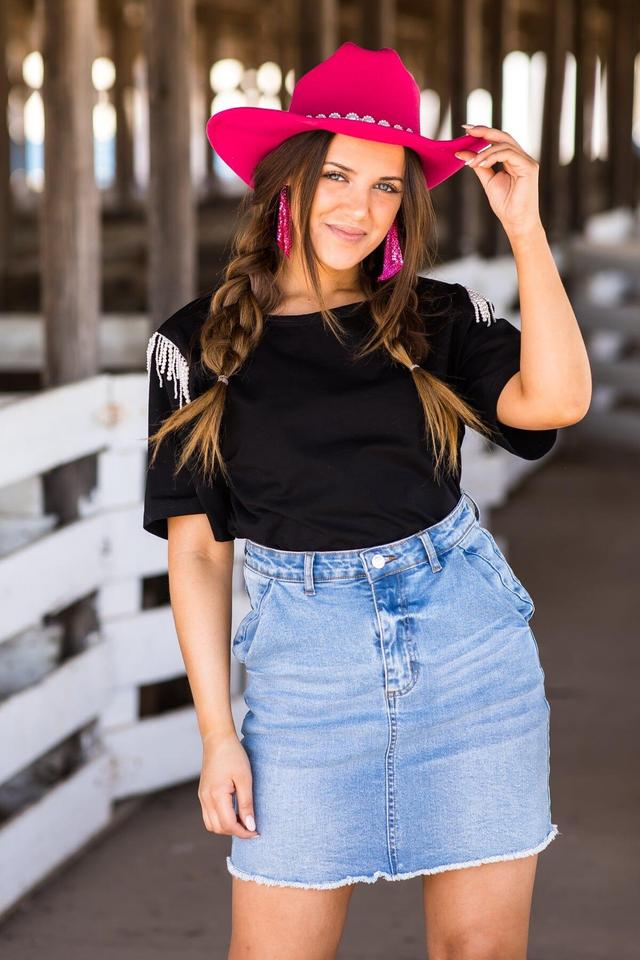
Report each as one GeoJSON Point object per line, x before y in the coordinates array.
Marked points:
{"type": "Point", "coordinates": [242, 136]}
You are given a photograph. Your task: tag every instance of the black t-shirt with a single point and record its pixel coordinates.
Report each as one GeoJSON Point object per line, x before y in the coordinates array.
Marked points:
{"type": "Point", "coordinates": [326, 453]}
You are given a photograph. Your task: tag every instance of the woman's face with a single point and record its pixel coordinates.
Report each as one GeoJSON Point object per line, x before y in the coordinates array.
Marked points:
{"type": "Point", "coordinates": [360, 190]}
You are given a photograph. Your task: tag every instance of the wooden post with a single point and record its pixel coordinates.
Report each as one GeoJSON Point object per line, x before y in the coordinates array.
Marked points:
{"type": "Point", "coordinates": [123, 52]}
{"type": "Point", "coordinates": [624, 42]}
{"type": "Point", "coordinates": [378, 24]}
{"type": "Point", "coordinates": [204, 62]}
{"type": "Point", "coordinates": [70, 235]}
{"type": "Point", "coordinates": [492, 239]}
{"type": "Point", "coordinates": [70, 203]}
{"type": "Point", "coordinates": [317, 33]}
{"type": "Point", "coordinates": [6, 205]}
{"type": "Point", "coordinates": [286, 44]}
{"type": "Point", "coordinates": [471, 201]}
{"type": "Point", "coordinates": [551, 185]}
{"type": "Point", "coordinates": [171, 205]}
{"type": "Point", "coordinates": [592, 198]}
{"type": "Point", "coordinates": [456, 188]}
{"type": "Point", "coordinates": [579, 168]}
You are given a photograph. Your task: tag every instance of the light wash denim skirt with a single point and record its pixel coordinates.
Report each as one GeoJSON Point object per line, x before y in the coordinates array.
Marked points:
{"type": "Point", "coordinates": [397, 720]}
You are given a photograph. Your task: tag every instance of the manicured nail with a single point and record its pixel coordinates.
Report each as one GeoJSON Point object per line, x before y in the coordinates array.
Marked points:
{"type": "Point", "coordinates": [467, 125]}
{"type": "Point", "coordinates": [250, 822]}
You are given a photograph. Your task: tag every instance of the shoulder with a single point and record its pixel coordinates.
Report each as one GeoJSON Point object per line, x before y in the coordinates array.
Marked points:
{"type": "Point", "coordinates": [173, 349]}
{"type": "Point", "coordinates": [460, 301]}
{"type": "Point", "coordinates": [183, 326]}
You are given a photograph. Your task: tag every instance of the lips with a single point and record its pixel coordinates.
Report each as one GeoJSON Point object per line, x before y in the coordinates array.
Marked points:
{"type": "Point", "coordinates": [345, 233]}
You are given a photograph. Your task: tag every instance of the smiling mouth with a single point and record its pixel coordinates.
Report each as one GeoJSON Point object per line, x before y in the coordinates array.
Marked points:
{"type": "Point", "coordinates": [345, 234]}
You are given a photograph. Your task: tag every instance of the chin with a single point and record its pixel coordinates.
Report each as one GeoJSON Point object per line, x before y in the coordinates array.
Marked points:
{"type": "Point", "coordinates": [336, 260]}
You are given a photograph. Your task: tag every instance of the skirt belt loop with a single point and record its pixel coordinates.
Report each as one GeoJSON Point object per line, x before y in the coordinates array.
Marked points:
{"type": "Point", "coordinates": [309, 586]}
{"type": "Point", "coordinates": [431, 551]}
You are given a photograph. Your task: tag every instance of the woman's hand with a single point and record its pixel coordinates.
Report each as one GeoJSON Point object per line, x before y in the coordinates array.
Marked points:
{"type": "Point", "coordinates": [225, 770]}
{"type": "Point", "coordinates": [512, 192]}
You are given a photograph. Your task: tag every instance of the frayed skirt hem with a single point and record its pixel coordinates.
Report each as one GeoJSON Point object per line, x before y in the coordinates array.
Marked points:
{"type": "Point", "coordinates": [329, 884]}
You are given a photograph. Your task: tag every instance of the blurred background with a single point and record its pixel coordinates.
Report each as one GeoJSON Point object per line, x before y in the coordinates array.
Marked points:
{"type": "Point", "coordinates": [115, 212]}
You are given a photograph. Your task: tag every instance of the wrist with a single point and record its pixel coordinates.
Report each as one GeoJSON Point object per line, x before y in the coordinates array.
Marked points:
{"type": "Point", "coordinates": [532, 236]}
{"type": "Point", "coordinates": [217, 735]}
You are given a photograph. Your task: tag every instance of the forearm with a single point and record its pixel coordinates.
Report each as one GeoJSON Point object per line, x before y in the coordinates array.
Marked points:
{"type": "Point", "coordinates": [554, 364]}
{"type": "Point", "coordinates": [201, 596]}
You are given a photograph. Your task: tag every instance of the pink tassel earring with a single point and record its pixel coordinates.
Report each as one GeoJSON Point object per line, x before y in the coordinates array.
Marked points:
{"type": "Point", "coordinates": [393, 259]}
{"type": "Point", "coordinates": [284, 223]}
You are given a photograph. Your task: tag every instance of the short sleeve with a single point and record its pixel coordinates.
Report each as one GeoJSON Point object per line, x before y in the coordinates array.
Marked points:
{"type": "Point", "coordinates": [170, 386]}
{"type": "Point", "coordinates": [485, 355]}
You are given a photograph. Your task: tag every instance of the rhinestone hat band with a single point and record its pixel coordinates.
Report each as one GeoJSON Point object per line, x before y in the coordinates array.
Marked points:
{"type": "Point", "coordinates": [354, 116]}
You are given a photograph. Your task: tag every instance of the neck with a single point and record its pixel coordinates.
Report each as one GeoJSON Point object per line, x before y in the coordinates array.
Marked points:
{"type": "Point", "coordinates": [333, 283]}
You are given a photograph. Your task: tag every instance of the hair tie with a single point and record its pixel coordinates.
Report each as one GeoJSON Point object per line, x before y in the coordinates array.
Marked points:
{"type": "Point", "coordinates": [223, 378]}
{"type": "Point", "coordinates": [413, 365]}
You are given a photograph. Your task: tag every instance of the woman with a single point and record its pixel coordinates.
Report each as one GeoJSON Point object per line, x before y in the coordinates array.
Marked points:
{"type": "Point", "coordinates": [315, 405]}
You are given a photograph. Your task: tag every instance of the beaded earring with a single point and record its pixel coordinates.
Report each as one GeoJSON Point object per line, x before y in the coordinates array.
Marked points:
{"type": "Point", "coordinates": [284, 223]}
{"type": "Point", "coordinates": [393, 259]}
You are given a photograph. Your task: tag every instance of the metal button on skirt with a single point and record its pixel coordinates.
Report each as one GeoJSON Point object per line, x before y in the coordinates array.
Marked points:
{"type": "Point", "coordinates": [397, 722]}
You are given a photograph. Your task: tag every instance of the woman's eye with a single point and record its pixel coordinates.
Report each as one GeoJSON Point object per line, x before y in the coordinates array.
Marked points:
{"type": "Point", "coordinates": [335, 173]}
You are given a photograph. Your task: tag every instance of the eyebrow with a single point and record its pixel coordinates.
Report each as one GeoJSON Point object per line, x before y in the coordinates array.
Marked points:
{"type": "Point", "coordinates": [349, 170]}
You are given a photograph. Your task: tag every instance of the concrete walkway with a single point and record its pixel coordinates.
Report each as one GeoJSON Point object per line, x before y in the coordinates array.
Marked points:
{"type": "Point", "coordinates": [157, 886]}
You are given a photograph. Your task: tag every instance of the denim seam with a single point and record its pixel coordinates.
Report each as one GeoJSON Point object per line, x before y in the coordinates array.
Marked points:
{"type": "Point", "coordinates": [414, 667]}
{"type": "Point", "coordinates": [389, 709]}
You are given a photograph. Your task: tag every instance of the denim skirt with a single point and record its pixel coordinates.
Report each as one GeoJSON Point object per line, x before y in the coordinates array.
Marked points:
{"type": "Point", "coordinates": [397, 721]}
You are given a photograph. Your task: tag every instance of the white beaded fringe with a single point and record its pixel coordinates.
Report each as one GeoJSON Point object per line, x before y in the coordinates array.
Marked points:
{"type": "Point", "coordinates": [169, 361]}
{"type": "Point", "coordinates": [483, 308]}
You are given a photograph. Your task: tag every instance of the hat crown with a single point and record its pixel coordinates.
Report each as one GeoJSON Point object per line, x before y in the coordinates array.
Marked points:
{"type": "Point", "coordinates": [373, 85]}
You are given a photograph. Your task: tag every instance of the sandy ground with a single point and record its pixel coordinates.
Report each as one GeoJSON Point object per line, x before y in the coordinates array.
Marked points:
{"type": "Point", "coordinates": [156, 884]}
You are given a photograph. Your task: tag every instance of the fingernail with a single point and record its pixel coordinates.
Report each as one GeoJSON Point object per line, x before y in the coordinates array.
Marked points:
{"type": "Point", "coordinates": [467, 125]}
{"type": "Point", "coordinates": [250, 823]}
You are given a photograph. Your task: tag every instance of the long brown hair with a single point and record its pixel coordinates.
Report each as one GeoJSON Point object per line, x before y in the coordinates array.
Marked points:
{"type": "Point", "coordinates": [249, 291]}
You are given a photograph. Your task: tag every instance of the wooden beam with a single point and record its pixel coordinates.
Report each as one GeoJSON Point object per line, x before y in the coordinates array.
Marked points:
{"type": "Point", "coordinates": [623, 169]}
{"type": "Point", "coordinates": [169, 30]}
{"type": "Point", "coordinates": [499, 13]}
{"type": "Point", "coordinates": [378, 23]}
{"type": "Point", "coordinates": [70, 228]}
{"type": "Point", "coordinates": [124, 38]}
{"type": "Point", "coordinates": [6, 204]}
{"type": "Point", "coordinates": [317, 32]}
{"type": "Point", "coordinates": [552, 192]}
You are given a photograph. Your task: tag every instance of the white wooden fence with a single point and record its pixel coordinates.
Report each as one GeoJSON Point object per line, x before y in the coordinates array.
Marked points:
{"type": "Point", "coordinates": [42, 571]}
{"type": "Point", "coordinates": [95, 692]}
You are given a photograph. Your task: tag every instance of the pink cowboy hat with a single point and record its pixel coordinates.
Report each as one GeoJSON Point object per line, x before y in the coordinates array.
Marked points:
{"type": "Point", "coordinates": [358, 92]}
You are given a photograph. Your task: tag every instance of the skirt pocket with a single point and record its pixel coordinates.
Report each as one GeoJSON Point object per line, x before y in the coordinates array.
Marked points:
{"type": "Point", "coordinates": [479, 542]}
{"type": "Point", "coordinates": [258, 587]}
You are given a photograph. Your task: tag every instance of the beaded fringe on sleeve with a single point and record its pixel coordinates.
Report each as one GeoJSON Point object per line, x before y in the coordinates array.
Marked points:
{"type": "Point", "coordinates": [483, 308]}
{"type": "Point", "coordinates": [170, 363]}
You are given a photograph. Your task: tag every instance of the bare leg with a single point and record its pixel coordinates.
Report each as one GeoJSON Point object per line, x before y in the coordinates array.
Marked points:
{"type": "Point", "coordinates": [286, 923]}
{"type": "Point", "coordinates": [480, 912]}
